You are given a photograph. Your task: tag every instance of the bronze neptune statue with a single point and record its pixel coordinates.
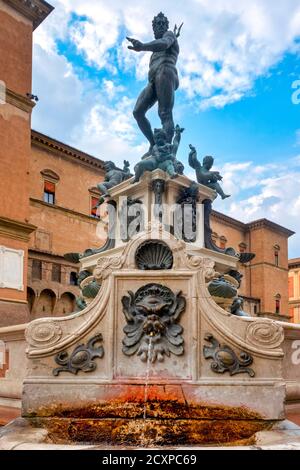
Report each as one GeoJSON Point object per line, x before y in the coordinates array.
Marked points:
{"type": "Point", "coordinates": [163, 79]}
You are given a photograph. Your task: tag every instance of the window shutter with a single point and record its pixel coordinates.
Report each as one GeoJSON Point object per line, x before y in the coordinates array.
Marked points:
{"type": "Point", "coordinates": [49, 187]}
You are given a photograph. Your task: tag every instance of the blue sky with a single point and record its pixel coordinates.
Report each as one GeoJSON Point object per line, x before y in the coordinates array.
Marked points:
{"type": "Point", "coordinates": [237, 65]}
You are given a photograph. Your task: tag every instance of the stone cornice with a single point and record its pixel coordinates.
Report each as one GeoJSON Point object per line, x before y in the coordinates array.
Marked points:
{"type": "Point", "coordinates": [250, 299]}
{"type": "Point", "coordinates": [274, 316]}
{"type": "Point", "coordinates": [48, 256]}
{"type": "Point", "coordinates": [61, 149]}
{"type": "Point", "coordinates": [228, 220]}
{"type": "Point", "coordinates": [256, 224]}
{"type": "Point", "coordinates": [294, 263]}
{"type": "Point", "coordinates": [35, 10]}
{"type": "Point", "coordinates": [54, 207]}
{"type": "Point", "coordinates": [266, 263]}
{"type": "Point", "coordinates": [20, 101]}
{"type": "Point", "coordinates": [265, 223]}
{"type": "Point", "coordinates": [15, 229]}
{"type": "Point", "coordinates": [13, 333]}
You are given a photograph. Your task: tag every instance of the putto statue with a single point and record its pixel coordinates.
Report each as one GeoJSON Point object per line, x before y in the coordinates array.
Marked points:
{"type": "Point", "coordinates": [163, 155]}
{"type": "Point", "coordinates": [204, 174]}
{"type": "Point", "coordinates": [163, 78]}
{"type": "Point", "coordinates": [113, 176]}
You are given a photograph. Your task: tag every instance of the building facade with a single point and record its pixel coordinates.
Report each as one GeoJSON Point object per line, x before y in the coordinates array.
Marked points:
{"type": "Point", "coordinates": [62, 195]}
{"type": "Point", "coordinates": [18, 19]}
{"type": "Point", "coordinates": [265, 281]}
{"type": "Point", "coordinates": [294, 289]}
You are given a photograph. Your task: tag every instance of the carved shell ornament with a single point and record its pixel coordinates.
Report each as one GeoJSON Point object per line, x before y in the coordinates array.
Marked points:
{"type": "Point", "coordinates": [265, 334]}
{"type": "Point", "coordinates": [152, 330]}
{"type": "Point", "coordinates": [155, 255]}
{"type": "Point", "coordinates": [43, 333]}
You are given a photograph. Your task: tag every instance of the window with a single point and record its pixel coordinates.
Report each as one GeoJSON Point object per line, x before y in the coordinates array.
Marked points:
{"type": "Point", "coordinates": [36, 269]}
{"type": "Point", "coordinates": [214, 237]}
{"type": "Point", "coordinates": [255, 309]}
{"type": "Point", "coordinates": [56, 273]}
{"type": "Point", "coordinates": [73, 279]}
{"type": "Point", "coordinates": [49, 192]}
{"type": "Point", "coordinates": [223, 242]}
{"type": "Point", "coordinates": [291, 287]}
{"type": "Point", "coordinates": [94, 202]}
{"type": "Point", "coordinates": [276, 255]}
{"type": "Point", "coordinates": [242, 247]}
{"type": "Point", "coordinates": [277, 303]}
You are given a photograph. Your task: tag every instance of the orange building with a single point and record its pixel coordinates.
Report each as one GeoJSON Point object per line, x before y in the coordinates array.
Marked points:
{"type": "Point", "coordinates": [294, 289]}
{"type": "Point", "coordinates": [61, 199]}
{"type": "Point", "coordinates": [265, 284]}
{"type": "Point", "coordinates": [47, 193]}
{"type": "Point", "coordinates": [18, 19]}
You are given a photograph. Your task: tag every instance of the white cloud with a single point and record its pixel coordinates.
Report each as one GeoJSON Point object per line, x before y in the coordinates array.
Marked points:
{"type": "Point", "coordinates": [274, 194]}
{"type": "Point", "coordinates": [109, 132]}
{"type": "Point", "coordinates": [225, 44]}
{"type": "Point", "coordinates": [96, 120]}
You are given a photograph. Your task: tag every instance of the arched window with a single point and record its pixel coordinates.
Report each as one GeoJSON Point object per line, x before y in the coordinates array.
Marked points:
{"type": "Point", "coordinates": [65, 305]}
{"type": "Point", "coordinates": [242, 247]}
{"type": "Point", "coordinates": [46, 303]}
{"type": "Point", "coordinates": [223, 241]}
{"type": "Point", "coordinates": [276, 255]}
{"type": "Point", "coordinates": [277, 304]}
{"type": "Point", "coordinates": [214, 237]}
{"type": "Point", "coordinates": [30, 298]}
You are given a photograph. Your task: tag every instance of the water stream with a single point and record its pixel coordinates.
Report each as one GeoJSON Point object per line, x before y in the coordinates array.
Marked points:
{"type": "Point", "coordinates": [149, 357]}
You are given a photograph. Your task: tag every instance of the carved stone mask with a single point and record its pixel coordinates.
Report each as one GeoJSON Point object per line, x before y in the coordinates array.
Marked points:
{"type": "Point", "coordinates": [152, 314]}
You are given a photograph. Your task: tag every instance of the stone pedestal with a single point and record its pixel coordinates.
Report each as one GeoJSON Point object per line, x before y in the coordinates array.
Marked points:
{"type": "Point", "coordinates": [153, 359]}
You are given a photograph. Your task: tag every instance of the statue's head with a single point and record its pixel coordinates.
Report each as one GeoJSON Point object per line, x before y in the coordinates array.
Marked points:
{"type": "Point", "coordinates": [160, 137]}
{"type": "Point", "coordinates": [208, 162]}
{"type": "Point", "coordinates": [160, 25]}
{"type": "Point", "coordinates": [109, 166]}
{"type": "Point", "coordinates": [158, 185]}
{"type": "Point", "coordinates": [179, 167]}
